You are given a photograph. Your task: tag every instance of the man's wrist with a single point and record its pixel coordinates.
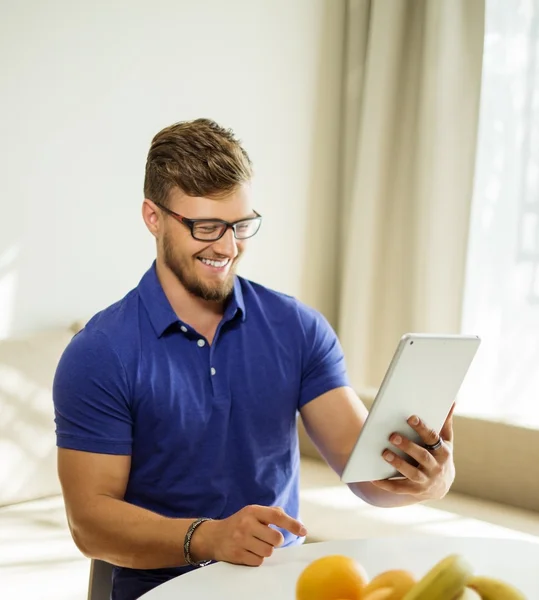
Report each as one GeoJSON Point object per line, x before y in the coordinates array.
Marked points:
{"type": "Point", "coordinates": [201, 547]}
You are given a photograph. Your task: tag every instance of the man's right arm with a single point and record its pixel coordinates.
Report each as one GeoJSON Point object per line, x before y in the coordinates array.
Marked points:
{"type": "Point", "coordinates": [106, 527]}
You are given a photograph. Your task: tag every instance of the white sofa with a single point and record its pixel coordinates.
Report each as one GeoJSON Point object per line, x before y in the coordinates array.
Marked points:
{"type": "Point", "coordinates": [27, 440]}
{"type": "Point", "coordinates": [34, 536]}
{"type": "Point", "coordinates": [38, 558]}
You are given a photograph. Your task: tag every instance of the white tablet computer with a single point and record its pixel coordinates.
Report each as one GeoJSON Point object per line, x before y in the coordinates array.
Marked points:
{"type": "Point", "coordinates": [423, 379]}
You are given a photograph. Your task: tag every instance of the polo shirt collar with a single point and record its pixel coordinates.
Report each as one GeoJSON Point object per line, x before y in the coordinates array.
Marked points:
{"type": "Point", "coordinates": [161, 313]}
{"type": "Point", "coordinates": [236, 303]}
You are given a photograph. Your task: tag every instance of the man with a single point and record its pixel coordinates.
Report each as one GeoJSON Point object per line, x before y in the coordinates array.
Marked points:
{"type": "Point", "coordinates": [179, 402]}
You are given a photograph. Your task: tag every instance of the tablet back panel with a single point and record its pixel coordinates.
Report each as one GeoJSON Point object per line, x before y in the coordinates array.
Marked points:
{"type": "Point", "coordinates": [424, 378]}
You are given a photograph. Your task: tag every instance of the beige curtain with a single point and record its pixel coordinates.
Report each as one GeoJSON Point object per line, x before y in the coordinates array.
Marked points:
{"type": "Point", "coordinates": [411, 96]}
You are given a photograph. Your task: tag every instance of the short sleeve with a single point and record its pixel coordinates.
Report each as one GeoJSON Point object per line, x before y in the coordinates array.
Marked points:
{"type": "Point", "coordinates": [91, 397]}
{"type": "Point", "coordinates": [323, 364]}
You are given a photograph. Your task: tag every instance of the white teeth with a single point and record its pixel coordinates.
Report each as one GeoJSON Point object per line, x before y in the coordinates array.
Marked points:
{"type": "Point", "coordinates": [214, 263]}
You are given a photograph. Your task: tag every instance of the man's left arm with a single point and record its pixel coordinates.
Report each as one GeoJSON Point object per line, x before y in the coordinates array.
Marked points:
{"type": "Point", "coordinates": [333, 421]}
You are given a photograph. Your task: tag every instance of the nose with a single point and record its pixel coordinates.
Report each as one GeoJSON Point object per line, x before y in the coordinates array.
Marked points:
{"type": "Point", "coordinates": [227, 245]}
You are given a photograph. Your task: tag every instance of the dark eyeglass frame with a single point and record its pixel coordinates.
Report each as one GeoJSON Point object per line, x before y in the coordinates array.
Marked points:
{"type": "Point", "coordinates": [190, 224]}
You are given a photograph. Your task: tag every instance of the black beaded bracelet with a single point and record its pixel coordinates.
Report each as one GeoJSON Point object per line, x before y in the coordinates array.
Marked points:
{"type": "Point", "coordinates": [187, 544]}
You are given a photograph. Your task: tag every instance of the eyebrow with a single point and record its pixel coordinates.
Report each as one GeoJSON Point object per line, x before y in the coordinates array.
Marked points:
{"type": "Point", "coordinates": [253, 215]}
{"type": "Point", "coordinates": [178, 214]}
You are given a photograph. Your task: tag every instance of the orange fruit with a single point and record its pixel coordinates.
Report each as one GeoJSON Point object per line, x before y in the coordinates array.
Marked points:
{"type": "Point", "coordinates": [399, 581]}
{"type": "Point", "coordinates": [333, 577]}
{"type": "Point", "coordinates": [380, 594]}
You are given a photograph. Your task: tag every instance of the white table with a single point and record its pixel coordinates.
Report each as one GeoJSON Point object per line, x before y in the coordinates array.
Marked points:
{"type": "Point", "coordinates": [512, 560]}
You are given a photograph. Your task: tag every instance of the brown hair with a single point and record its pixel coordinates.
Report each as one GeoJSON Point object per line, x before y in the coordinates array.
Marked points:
{"type": "Point", "coordinates": [200, 157]}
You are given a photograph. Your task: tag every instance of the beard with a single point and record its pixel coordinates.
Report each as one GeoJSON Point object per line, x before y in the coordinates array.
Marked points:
{"type": "Point", "coordinates": [184, 272]}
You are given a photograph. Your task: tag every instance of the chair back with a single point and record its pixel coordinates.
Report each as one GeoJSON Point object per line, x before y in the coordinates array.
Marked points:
{"type": "Point", "coordinates": [100, 584]}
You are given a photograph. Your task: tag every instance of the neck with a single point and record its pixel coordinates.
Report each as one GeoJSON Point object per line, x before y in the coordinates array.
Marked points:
{"type": "Point", "coordinates": [188, 307]}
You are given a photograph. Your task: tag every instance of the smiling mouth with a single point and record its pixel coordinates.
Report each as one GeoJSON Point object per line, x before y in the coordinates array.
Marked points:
{"type": "Point", "coordinates": [216, 264]}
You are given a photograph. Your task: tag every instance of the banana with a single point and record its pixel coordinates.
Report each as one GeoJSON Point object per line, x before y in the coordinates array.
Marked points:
{"type": "Point", "coordinates": [445, 581]}
{"type": "Point", "coordinates": [469, 594]}
{"type": "Point", "coordinates": [494, 589]}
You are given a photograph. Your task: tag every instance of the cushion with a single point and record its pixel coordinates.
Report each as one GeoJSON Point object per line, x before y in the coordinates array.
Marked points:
{"type": "Point", "coordinates": [27, 439]}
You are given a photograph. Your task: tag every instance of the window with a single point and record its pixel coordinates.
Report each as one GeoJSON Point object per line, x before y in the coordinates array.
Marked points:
{"type": "Point", "coordinates": [501, 302]}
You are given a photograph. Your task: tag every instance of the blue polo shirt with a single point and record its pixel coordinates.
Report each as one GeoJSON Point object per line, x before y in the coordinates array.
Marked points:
{"type": "Point", "coordinates": [209, 428]}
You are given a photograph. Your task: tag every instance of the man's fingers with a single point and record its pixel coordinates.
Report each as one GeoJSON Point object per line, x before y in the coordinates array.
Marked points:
{"type": "Point", "coordinates": [405, 468]}
{"type": "Point", "coordinates": [427, 434]}
{"type": "Point", "coordinates": [402, 487]}
{"type": "Point", "coordinates": [268, 535]}
{"type": "Point", "coordinates": [251, 560]}
{"type": "Point", "coordinates": [447, 429]}
{"type": "Point", "coordinates": [273, 515]}
{"type": "Point", "coordinates": [259, 548]}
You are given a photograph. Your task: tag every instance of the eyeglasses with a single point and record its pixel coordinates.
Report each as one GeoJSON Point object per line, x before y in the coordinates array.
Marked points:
{"type": "Point", "coordinates": [211, 230]}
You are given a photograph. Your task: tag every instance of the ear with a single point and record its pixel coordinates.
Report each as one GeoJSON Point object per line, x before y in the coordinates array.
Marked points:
{"type": "Point", "coordinates": [152, 217]}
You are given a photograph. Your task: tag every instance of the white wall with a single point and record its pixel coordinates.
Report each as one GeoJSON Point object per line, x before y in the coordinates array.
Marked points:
{"type": "Point", "coordinates": [84, 88]}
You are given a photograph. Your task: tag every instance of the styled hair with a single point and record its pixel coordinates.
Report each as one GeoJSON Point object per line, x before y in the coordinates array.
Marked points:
{"type": "Point", "coordinates": [200, 157]}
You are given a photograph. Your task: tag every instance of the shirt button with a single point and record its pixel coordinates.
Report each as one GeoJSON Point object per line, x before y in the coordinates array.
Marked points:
{"type": "Point", "coordinates": [183, 328]}
{"type": "Point", "coordinates": [201, 343]}
{"type": "Point", "coordinates": [212, 371]}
